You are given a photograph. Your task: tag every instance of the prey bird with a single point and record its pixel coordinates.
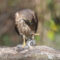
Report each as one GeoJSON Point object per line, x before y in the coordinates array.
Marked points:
{"type": "Point", "coordinates": [26, 23]}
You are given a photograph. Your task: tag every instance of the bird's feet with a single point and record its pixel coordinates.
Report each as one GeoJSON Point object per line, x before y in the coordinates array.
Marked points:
{"type": "Point", "coordinates": [29, 45]}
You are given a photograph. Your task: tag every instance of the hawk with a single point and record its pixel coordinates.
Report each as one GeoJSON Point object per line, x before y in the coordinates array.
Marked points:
{"type": "Point", "coordinates": [26, 23]}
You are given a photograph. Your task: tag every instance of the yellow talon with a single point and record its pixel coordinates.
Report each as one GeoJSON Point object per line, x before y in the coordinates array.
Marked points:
{"type": "Point", "coordinates": [24, 42]}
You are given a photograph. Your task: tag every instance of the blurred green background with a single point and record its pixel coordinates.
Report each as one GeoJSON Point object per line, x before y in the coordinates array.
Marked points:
{"type": "Point", "coordinates": [48, 12]}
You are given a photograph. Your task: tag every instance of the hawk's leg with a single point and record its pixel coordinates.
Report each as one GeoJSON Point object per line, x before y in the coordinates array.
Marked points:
{"type": "Point", "coordinates": [37, 34]}
{"type": "Point", "coordinates": [24, 41]}
{"type": "Point", "coordinates": [33, 37]}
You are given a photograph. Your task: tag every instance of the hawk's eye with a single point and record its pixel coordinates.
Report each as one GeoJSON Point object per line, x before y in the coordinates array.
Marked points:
{"type": "Point", "coordinates": [27, 22]}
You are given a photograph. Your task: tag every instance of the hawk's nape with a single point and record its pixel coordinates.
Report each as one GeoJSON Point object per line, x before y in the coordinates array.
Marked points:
{"type": "Point", "coordinates": [26, 23]}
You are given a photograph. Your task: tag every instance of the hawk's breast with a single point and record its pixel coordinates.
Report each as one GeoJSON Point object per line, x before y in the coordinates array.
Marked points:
{"type": "Point", "coordinates": [23, 28]}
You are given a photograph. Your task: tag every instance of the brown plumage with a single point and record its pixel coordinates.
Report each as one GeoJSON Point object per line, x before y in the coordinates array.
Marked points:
{"type": "Point", "coordinates": [26, 22]}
